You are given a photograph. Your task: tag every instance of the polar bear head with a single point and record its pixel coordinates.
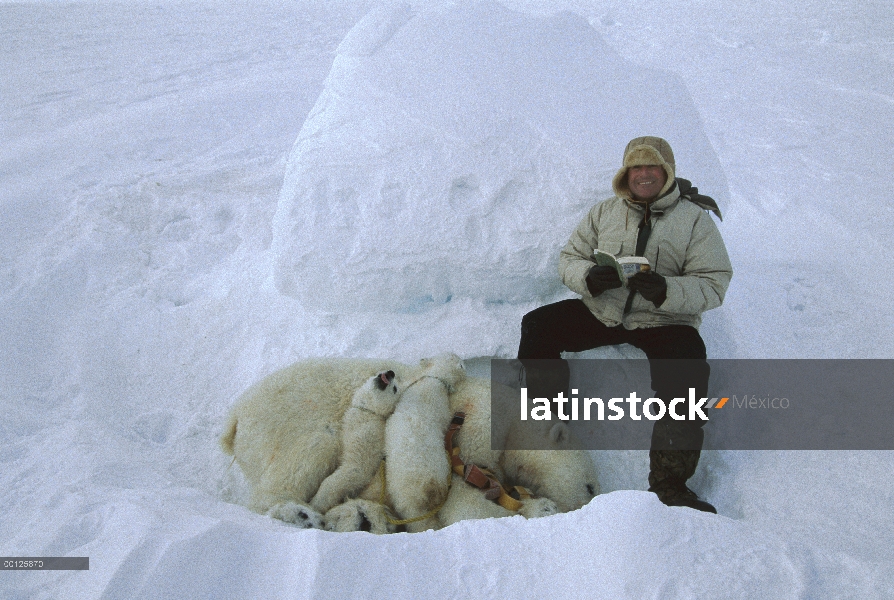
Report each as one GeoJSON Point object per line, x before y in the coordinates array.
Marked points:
{"type": "Point", "coordinates": [379, 394]}
{"type": "Point", "coordinates": [448, 368]}
{"type": "Point", "coordinates": [568, 477]}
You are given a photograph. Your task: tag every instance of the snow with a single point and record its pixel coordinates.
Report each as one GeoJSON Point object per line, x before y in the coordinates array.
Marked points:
{"type": "Point", "coordinates": [452, 135]}
{"type": "Point", "coordinates": [151, 269]}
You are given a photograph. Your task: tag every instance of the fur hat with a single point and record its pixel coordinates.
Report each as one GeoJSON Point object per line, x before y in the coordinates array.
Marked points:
{"type": "Point", "coordinates": [648, 150]}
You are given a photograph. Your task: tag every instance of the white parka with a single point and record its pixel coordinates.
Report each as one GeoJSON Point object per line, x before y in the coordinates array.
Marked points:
{"type": "Point", "coordinates": [684, 246]}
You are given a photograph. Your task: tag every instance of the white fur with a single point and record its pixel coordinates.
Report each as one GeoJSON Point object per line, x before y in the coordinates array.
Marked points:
{"type": "Point", "coordinates": [468, 502]}
{"type": "Point", "coordinates": [417, 467]}
{"type": "Point", "coordinates": [362, 442]}
{"type": "Point", "coordinates": [297, 514]}
{"type": "Point", "coordinates": [560, 448]}
{"type": "Point", "coordinates": [285, 430]}
{"type": "Point", "coordinates": [284, 433]}
{"type": "Point", "coordinates": [359, 515]}
{"type": "Point", "coordinates": [567, 477]}
{"type": "Point", "coordinates": [562, 477]}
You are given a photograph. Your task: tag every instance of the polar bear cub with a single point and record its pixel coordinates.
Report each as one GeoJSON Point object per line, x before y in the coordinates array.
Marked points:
{"type": "Point", "coordinates": [362, 441]}
{"type": "Point", "coordinates": [416, 466]}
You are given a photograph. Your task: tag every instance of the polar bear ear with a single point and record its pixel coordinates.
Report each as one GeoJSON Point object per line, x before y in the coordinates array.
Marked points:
{"type": "Point", "coordinates": [425, 363]}
{"type": "Point", "coordinates": [559, 434]}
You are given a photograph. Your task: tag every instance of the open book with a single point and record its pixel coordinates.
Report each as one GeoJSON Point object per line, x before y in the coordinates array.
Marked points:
{"type": "Point", "coordinates": [626, 266]}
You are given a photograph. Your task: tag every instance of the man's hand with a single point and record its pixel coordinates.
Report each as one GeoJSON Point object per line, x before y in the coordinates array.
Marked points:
{"type": "Point", "coordinates": [651, 286]}
{"type": "Point", "coordinates": [600, 279]}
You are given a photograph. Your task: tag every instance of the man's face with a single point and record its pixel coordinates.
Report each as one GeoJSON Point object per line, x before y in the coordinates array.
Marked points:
{"type": "Point", "coordinates": [646, 181]}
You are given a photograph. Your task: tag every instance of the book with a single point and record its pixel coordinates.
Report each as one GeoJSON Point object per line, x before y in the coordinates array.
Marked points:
{"type": "Point", "coordinates": [626, 266]}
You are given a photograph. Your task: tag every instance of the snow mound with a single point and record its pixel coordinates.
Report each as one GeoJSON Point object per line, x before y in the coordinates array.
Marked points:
{"type": "Point", "coordinates": [453, 150]}
{"type": "Point", "coordinates": [622, 545]}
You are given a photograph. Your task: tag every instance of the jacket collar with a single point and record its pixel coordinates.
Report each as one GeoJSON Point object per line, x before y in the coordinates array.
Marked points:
{"type": "Point", "coordinates": [659, 206]}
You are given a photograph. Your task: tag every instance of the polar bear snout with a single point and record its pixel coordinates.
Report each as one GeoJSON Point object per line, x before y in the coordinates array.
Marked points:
{"type": "Point", "coordinates": [383, 380]}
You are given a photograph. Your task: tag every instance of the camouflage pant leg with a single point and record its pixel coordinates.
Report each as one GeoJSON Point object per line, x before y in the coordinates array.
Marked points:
{"type": "Point", "coordinates": [673, 458]}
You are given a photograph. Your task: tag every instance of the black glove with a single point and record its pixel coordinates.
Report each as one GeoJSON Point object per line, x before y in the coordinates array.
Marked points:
{"type": "Point", "coordinates": [651, 286]}
{"type": "Point", "coordinates": [600, 279]}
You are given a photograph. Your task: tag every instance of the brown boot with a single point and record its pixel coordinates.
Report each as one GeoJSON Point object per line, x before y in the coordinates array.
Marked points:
{"type": "Point", "coordinates": [668, 472]}
{"type": "Point", "coordinates": [669, 468]}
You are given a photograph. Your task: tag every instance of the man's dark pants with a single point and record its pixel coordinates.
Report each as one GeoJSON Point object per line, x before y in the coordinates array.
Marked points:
{"type": "Point", "coordinates": [569, 326]}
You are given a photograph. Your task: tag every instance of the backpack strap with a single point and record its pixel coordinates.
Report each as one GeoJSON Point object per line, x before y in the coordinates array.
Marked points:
{"type": "Point", "coordinates": [690, 192]}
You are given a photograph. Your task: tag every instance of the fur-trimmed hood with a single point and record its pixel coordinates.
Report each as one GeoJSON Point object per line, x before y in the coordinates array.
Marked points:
{"type": "Point", "coordinates": [647, 150]}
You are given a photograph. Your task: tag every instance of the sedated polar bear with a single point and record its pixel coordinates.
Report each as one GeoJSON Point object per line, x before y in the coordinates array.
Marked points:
{"type": "Point", "coordinates": [284, 432]}
{"type": "Point", "coordinates": [362, 441]}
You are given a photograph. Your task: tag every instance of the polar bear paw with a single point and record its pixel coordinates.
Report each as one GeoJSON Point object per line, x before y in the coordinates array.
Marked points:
{"type": "Point", "coordinates": [538, 507]}
{"type": "Point", "coordinates": [298, 514]}
{"type": "Point", "coordinates": [359, 515]}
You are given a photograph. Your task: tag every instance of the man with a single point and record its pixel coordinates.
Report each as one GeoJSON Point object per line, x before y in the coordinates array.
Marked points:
{"type": "Point", "coordinates": [662, 218]}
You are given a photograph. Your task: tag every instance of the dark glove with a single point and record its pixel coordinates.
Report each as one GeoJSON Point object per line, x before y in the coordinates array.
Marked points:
{"type": "Point", "coordinates": [651, 285]}
{"type": "Point", "coordinates": [600, 279]}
